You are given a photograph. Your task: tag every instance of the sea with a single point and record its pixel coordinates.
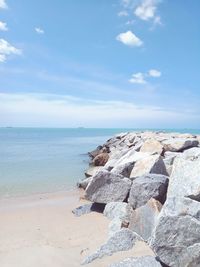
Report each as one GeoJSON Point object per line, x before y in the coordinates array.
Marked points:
{"type": "Point", "coordinates": [43, 160]}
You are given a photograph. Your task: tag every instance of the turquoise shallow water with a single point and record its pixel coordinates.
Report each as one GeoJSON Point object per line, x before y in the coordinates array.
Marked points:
{"type": "Point", "coordinates": [36, 160]}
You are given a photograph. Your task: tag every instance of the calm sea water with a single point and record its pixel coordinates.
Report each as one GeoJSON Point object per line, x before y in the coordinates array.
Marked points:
{"type": "Point", "coordinates": [36, 160]}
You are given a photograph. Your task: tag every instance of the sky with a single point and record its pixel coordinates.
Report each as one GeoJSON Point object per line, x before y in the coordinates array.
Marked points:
{"type": "Point", "coordinates": [108, 63]}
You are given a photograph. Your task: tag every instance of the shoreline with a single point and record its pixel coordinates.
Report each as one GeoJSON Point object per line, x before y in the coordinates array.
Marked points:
{"type": "Point", "coordinates": [41, 230]}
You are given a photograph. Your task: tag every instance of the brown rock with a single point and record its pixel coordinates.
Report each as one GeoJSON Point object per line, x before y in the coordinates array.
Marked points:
{"type": "Point", "coordinates": [101, 159]}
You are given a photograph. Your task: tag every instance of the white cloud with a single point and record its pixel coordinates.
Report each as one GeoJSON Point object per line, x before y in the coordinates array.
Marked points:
{"type": "Point", "coordinates": [3, 26]}
{"type": "Point", "coordinates": [138, 78]}
{"type": "Point", "coordinates": [129, 38]}
{"type": "Point", "coordinates": [39, 30]}
{"type": "Point", "coordinates": [147, 10]}
{"type": "Point", "coordinates": [7, 49]}
{"type": "Point", "coordinates": [3, 4]}
{"type": "Point", "coordinates": [123, 13]}
{"type": "Point", "coordinates": [66, 111]}
{"type": "Point", "coordinates": [154, 73]}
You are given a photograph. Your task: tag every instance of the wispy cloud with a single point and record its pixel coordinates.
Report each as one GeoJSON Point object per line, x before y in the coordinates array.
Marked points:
{"type": "Point", "coordinates": [66, 111]}
{"type": "Point", "coordinates": [146, 10]}
{"type": "Point", "coordinates": [129, 38]}
{"type": "Point", "coordinates": [154, 73]}
{"type": "Point", "coordinates": [7, 49]}
{"type": "Point", "coordinates": [3, 4]}
{"type": "Point", "coordinates": [123, 13]}
{"type": "Point", "coordinates": [140, 78]}
{"type": "Point", "coordinates": [3, 26]}
{"type": "Point", "coordinates": [39, 30]}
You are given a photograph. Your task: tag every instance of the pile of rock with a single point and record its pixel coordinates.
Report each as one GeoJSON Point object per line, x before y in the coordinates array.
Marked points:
{"type": "Point", "coordinates": [150, 184]}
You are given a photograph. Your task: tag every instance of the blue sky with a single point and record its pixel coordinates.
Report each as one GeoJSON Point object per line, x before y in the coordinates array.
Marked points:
{"type": "Point", "coordinates": [116, 63]}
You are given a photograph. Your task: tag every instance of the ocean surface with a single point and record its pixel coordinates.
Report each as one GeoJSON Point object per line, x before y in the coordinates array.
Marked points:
{"type": "Point", "coordinates": [40, 160]}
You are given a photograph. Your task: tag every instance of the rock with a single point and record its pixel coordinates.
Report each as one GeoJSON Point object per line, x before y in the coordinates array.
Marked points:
{"type": "Point", "coordinates": [151, 164]}
{"type": "Point", "coordinates": [84, 183]}
{"type": "Point", "coordinates": [119, 210]}
{"type": "Point", "coordinates": [124, 169]}
{"type": "Point", "coordinates": [92, 171]}
{"type": "Point", "coordinates": [114, 157]}
{"type": "Point", "coordinates": [84, 209]}
{"type": "Point", "coordinates": [143, 219]}
{"type": "Point", "coordinates": [145, 261]}
{"type": "Point", "coordinates": [185, 179]}
{"type": "Point", "coordinates": [146, 187]}
{"type": "Point", "coordinates": [95, 152]}
{"type": "Point", "coordinates": [179, 144]}
{"type": "Point", "coordinates": [107, 187]}
{"type": "Point", "coordinates": [119, 213]}
{"type": "Point", "coordinates": [132, 156]}
{"type": "Point", "coordinates": [170, 156]}
{"type": "Point", "coordinates": [87, 208]}
{"type": "Point", "coordinates": [175, 239]}
{"type": "Point", "coordinates": [121, 241]}
{"type": "Point", "coordinates": [192, 153]}
{"type": "Point", "coordinates": [153, 146]}
{"type": "Point", "coordinates": [100, 159]}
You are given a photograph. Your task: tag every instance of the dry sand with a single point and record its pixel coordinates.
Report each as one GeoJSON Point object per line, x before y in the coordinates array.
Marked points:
{"type": "Point", "coordinates": [41, 231]}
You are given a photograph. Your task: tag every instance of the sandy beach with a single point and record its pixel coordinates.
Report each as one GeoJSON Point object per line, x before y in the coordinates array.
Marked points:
{"type": "Point", "coordinates": [40, 230]}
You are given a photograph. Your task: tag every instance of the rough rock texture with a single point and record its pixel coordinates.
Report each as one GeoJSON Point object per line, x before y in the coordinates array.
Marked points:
{"type": "Point", "coordinates": [192, 153]}
{"type": "Point", "coordinates": [120, 210]}
{"type": "Point", "coordinates": [107, 187]}
{"type": "Point", "coordinates": [143, 219]}
{"type": "Point", "coordinates": [132, 156]}
{"type": "Point", "coordinates": [179, 144]}
{"type": "Point", "coordinates": [119, 213]}
{"type": "Point", "coordinates": [185, 179]}
{"type": "Point", "coordinates": [150, 164]}
{"type": "Point", "coordinates": [92, 171]}
{"type": "Point", "coordinates": [101, 159]}
{"type": "Point", "coordinates": [176, 236]}
{"type": "Point", "coordinates": [153, 146]}
{"type": "Point", "coordinates": [84, 183]}
{"type": "Point", "coordinates": [124, 169]}
{"type": "Point", "coordinates": [146, 187]}
{"type": "Point", "coordinates": [146, 261]}
{"type": "Point", "coordinates": [120, 241]}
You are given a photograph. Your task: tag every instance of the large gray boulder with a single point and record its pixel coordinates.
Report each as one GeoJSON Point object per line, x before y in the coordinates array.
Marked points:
{"type": "Point", "coordinates": [153, 146]}
{"type": "Point", "coordinates": [150, 164]}
{"type": "Point", "coordinates": [121, 241]}
{"type": "Point", "coordinates": [146, 187]}
{"type": "Point", "coordinates": [179, 144]}
{"type": "Point", "coordinates": [185, 179]}
{"type": "Point", "coordinates": [124, 169]}
{"type": "Point", "coordinates": [120, 210]}
{"type": "Point", "coordinates": [192, 153]}
{"type": "Point", "coordinates": [145, 261]}
{"type": "Point", "coordinates": [176, 236]}
{"type": "Point", "coordinates": [132, 156]}
{"type": "Point", "coordinates": [175, 239]}
{"type": "Point", "coordinates": [107, 187]}
{"type": "Point", "coordinates": [119, 213]}
{"type": "Point", "coordinates": [143, 219]}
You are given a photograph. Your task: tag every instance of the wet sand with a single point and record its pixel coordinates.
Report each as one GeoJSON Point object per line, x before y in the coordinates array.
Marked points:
{"type": "Point", "coordinates": [41, 231]}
